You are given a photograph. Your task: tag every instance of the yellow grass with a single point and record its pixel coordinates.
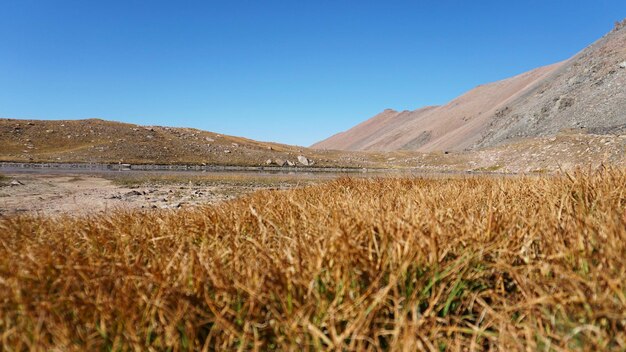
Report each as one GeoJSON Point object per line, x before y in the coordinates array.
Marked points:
{"type": "Point", "coordinates": [382, 264]}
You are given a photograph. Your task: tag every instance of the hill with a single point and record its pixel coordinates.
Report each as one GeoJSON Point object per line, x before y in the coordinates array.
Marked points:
{"type": "Point", "coordinates": [100, 141]}
{"type": "Point", "coordinates": [586, 93]}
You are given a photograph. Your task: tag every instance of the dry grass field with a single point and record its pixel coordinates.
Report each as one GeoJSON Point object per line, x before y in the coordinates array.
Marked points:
{"type": "Point", "coordinates": [519, 263]}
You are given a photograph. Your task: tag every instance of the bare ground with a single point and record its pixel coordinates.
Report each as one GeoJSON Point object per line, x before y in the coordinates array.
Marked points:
{"type": "Point", "coordinates": [83, 194]}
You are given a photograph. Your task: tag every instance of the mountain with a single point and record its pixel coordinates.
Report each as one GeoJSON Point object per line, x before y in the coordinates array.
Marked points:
{"type": "Point", "coordinates": [586, 93]}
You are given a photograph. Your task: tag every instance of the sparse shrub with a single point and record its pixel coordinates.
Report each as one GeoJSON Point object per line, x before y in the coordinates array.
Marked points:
{"type": "Point", "coordinates": [3, 180]}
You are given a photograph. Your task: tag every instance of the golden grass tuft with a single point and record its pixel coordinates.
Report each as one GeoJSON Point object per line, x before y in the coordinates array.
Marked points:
{"type": "Point", "coordinates": [383, 264]}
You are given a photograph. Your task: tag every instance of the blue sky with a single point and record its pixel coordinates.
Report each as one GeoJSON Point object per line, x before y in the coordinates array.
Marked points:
{"type": "Point", "coordinates": [286, 71]}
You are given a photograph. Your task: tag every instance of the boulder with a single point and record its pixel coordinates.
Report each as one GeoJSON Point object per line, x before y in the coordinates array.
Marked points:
{"type": "Point", "coordinates": [290, 163]}
{"type": "Point", "coordinates": [16, 183]}
{"type": "Point", "coordinates": [622, 64]}
{"type": "Point", "coordinates": [304, 160]}
{"type": "Point", "coordinates": [279, 162]}
{"type": "Point", "coordinates": [268, 162]}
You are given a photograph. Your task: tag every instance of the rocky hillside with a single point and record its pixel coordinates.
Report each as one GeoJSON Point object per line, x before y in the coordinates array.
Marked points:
{"type": "Point", "coordinates": [99, 141]}
{"type": "Point", "coordinates": [586, 93]}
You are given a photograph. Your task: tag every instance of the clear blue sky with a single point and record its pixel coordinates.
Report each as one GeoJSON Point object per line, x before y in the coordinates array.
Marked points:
{"type": "Point", "coordinates": [286, 71]}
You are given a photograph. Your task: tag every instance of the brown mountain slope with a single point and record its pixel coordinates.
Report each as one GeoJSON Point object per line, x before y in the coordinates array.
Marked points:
{"type": "Point", "coordinates": [453, 126]}
{"type": "Point", "coordinates": [588, 91]}
{"type": "Point", "coordinates": [369, 132]}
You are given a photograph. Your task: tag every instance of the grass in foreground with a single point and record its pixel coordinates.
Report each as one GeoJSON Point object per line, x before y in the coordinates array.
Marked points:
{"type": "Point", "coordinates": [415, 264]}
